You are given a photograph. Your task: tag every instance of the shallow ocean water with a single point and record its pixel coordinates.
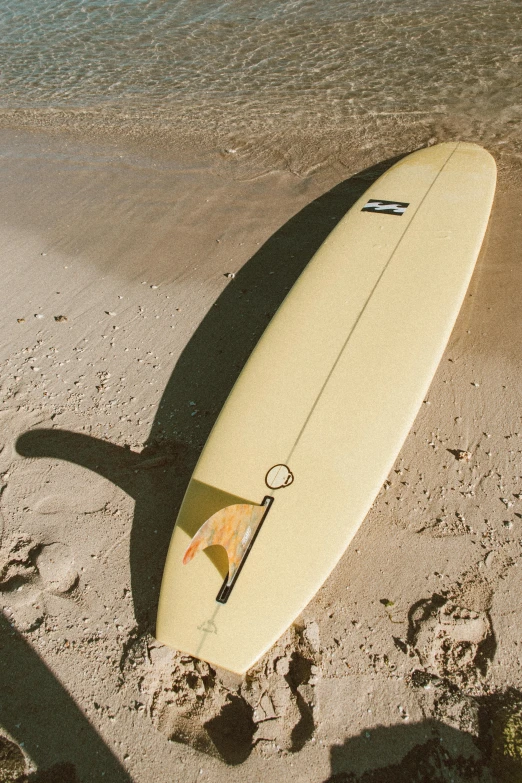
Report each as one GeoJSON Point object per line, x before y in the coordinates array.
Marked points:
{"type": "Point", "coordinates": [235, 71]}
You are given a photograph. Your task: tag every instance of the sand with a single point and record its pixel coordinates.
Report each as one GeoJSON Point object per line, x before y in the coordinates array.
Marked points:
{"type": "Point", "coordinates": [123, 330]}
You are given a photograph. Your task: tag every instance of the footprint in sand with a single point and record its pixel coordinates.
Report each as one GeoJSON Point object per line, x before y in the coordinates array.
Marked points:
{"type": "Point", "coordinates": [28, 571]}
{"type": "Point", "coordinates": [56, 567]}
{"type": "Point", "coordinates": [271, 709]}
{"type": "Point", "coordinates": [47, 566]}
{"type": "Point", "coordinates": [17, 562]}
{"type": "Point", "coordinates": [47, 487]}
{"type": "Point", "coordinates": [451, 641]}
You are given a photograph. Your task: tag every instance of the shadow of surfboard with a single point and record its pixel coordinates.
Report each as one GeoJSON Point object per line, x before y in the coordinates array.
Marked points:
{"type": "Point", "coordinates": [157, 477]}
{"type": "Point", "coordinates": [206, 371]}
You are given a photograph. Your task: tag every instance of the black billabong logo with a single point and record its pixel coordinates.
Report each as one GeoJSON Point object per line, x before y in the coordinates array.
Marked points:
{"type": "Point", "coordinates": [386, 207]}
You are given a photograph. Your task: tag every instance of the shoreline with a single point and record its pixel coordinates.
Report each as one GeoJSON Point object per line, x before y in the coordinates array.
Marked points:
{"type": "Point", "coordinates": [331, 148]}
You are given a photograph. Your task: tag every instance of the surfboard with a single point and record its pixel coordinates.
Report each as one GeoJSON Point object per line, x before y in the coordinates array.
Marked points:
{"type": "Point", "coordinates": [321, 409]}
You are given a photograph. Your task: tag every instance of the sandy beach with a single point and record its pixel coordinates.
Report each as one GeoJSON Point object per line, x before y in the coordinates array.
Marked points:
{"type": "Point", "coordinates": [123, 331]}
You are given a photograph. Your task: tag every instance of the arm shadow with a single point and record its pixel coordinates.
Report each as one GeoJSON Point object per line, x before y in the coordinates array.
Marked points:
{"type": "Point", "coordinates": [37, 710]}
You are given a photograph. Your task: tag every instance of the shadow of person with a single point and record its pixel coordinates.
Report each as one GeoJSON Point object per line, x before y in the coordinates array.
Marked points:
{"type": "Point", "coordinates": [37, 711]}
{"type": "Point", "coordinates": [489, 751]}
{"type": "Point", "coordinates": [426, 752]}
{"type": "Point", "coordinates": [205, 374]}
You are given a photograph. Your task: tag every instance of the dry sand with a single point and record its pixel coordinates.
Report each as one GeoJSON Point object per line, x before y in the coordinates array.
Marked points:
{"type": "Point", "coordinates": [121, 336]}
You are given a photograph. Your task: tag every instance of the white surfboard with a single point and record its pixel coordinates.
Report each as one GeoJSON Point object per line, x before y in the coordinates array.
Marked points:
{"type": "Point", "coordinates": [319, 413]}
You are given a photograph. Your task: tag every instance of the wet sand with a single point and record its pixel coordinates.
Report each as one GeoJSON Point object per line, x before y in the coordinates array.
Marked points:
{"type": "Point", "coordinates": [122, 335]}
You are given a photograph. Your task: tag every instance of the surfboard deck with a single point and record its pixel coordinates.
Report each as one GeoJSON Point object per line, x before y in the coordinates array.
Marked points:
{"type": "Point", "coordinates": [325, 402]}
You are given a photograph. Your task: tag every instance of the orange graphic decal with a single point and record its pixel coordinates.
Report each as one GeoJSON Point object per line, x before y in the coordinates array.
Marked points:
{"type": "Point", "coordinates": [232, 528]}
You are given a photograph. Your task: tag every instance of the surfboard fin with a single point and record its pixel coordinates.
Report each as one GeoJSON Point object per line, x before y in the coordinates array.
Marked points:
{"type": "Point", "coordinates": [234, 528]}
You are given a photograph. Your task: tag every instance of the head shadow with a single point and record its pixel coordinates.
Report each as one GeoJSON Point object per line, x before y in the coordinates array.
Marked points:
{"type": "Point", "coordinates": [484, 749]}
